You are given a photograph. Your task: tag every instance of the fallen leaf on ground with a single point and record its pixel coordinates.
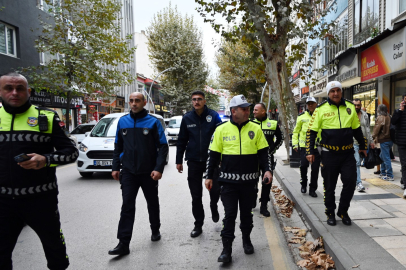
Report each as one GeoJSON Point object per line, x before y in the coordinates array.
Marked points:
{"type": "Point", "coordinates": [355, 266]}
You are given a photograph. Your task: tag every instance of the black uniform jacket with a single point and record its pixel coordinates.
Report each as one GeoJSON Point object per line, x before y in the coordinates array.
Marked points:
{"type": "Point", "coordinates": [195, 135]}
{"type": "Point", "coordinates": [141, 140]}
{"type": "Point", "coordinates": [399, 120]}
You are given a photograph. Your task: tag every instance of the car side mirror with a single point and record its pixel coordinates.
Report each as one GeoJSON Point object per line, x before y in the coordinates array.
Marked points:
{"type": "Point", "coordinates": [87, 134]}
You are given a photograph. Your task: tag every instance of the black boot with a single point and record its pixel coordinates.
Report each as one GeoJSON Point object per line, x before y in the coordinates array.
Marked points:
{"type": "Point", "coordinates": [264, 209]}
{"type": "Point", "coordinates": [312, 193]}
{"type": "Point", "coordinates": [344, 216]}
{"type": "Point", "coordinates": [225, 256]}
{"type": "Point", "coordinates": [120, 249]}
{"type": "Point", "coordinates": [155, 236]}
{"type": "Point", "coordinates": [331, 219]}
{"type": "Point", "coordinates": [303, 189]}
{"type": "Point", "coordinates": [215, 216]}
{"type": "Point", "coordinates": [246, 243]}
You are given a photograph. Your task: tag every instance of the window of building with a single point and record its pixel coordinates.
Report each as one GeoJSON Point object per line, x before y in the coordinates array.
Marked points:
{"type": "Point", "coordinates": [341, 30]}
{"type": "Point", "coordinates": [366, 17]}
{"type": "Point", "coordinates": [49, 5]}
{"type": "Point", "coordinates": [46, 57]}
{"type": "Point", "coordinates": [7, 40]}
{"type": "Point", "coordinates": [402, 6]}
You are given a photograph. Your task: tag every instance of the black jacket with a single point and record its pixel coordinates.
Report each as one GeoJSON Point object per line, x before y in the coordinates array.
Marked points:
{"type": "Point", "coordinates": [141, 141]}
{"type": "Point", "coordinates": [195, 135]}
{"type": "Point", "coordinates": [399, 120]}
{"type": "Point", "coordinates": [19, 133]}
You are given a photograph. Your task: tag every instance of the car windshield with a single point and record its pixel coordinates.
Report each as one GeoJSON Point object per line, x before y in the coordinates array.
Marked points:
{"type": "Point", "coordinates": [82, 129]}
{"type": "Point", "coordinates": [106, 127]}
{"type": "Point", "coordinates": [174, 124]}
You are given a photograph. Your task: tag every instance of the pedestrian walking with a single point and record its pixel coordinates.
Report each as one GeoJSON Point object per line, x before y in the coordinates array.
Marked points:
{"type": "Point", "coordinates": [195, 132]}
{"type": "Point", "coordinates": [241, 147]}
{"type": "Point", "coordinates": [337, 120]}
{"type": "Point", "coordinates": [399, 121]}
{"type": "Point", "coordinates": [274, 137]}
{"type": "Point", "coordinates": [32, 144]}
{"type": "Point", "coordinates": [299, 144]}
{"type": "Point", "coordinates": [381, 135]}
{"type": "Point", "coordinates": [366, 131]}
{"type": "Point", "coordinates": [138, 137]}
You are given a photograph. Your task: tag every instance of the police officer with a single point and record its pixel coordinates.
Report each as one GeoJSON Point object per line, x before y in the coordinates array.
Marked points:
{"type": "Point", "coordinates": [138, 137]}
{"type": "Point", "coordinates": [241, 147]}
{"type": "Point", "coordinates": [28, 186]}
{"type": "Point", "coordinates": [271, 130]}
{"type": "Point", "coordinates": [196, 129]}
{"type": "Point", "coordinates": [338, 122]}
{"type": "Point", "coordinates": [299, 140]}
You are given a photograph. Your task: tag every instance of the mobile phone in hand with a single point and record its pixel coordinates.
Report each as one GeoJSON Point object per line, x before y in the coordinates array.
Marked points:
{"type": "Point", "coordinates": [21, 158]}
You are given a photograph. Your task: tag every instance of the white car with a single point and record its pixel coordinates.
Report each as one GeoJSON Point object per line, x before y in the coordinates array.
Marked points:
{"type": "Point", "coordinates": [80, 131]}
{"type": "Point", "coordinates": [173, 129]}
{"type": "Point", "coordinates": [96, 150]}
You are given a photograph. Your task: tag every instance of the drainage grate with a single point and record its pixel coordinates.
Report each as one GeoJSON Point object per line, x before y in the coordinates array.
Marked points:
{"type": "Point", "coordinates": [388, 186]}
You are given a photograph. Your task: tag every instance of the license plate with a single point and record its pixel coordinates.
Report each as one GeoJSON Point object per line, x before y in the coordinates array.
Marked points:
{"type": "Point", "coordinates": [103, 162]}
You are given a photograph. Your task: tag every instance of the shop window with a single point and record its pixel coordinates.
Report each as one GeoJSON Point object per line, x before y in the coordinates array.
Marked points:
{"type": "Point", "coordinates": [367, 100]}
{"type": "Point", "coordinates": [7, 40]}
{"type": "Point", "coordinates": [366, 17]}
{"type": "Point", "coordinates": [402, 6]}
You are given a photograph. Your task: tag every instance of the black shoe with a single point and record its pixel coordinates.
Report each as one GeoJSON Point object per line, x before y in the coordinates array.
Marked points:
{"type": "Point", "coordinates": [263, 210]}
{"type": "Point", "coordinates": [344, 216]}
{"type": "Point", "coordinates": [303, 190]}
{"type": "Point", "coordinates": [196, 232]}
{"type": "Point", "coordinates": [377, 172]}
{"type": "Point", "coordinates": [312, 193]}
{"type": "Point", "coordinates": [331, 220]}
{"type": "Point", "coordinates": [215, 216]}
{"type": "Point", "coordinates": [120, 249]}
{"type": "Point", "coordinates": [246, 244]}
{"type": "Point", "coordinates": [225, 256]}
{"type": "Point", "coordinates": [155, 236]}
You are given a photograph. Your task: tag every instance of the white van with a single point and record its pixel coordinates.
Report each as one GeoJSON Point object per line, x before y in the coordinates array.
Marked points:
{"type": "Point", "coordinates": [96, 150]}
{"type": "Point", "coordinates": [173, 128]}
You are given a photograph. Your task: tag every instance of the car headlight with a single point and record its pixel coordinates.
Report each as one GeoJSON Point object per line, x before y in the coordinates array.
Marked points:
{"type": "Point", "coordinates": [82, 147]}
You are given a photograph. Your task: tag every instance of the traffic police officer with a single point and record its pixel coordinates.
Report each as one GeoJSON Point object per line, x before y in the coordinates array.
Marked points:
{"type": "Point", "coordinates": [195, 132]}
{"type": "Point", "coordinates": [299, 140]}
{"type": "Point", "coordinates": [271, 130]}
{"type": "Point", "coordinates": [338, 122]}
{"type": "Point", "coordinates": [240, 145]}
{"type": "Point", "coordinates": [28, 189]}
{"type": "Point", "coordinates": [138, 137]}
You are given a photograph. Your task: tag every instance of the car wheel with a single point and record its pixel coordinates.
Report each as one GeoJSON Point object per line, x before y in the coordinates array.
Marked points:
{"type": "Point", "coordinates": [86, 174]}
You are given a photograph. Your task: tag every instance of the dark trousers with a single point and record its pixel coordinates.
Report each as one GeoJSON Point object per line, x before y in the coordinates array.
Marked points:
{"type": "Point", "coordinates": [195, 180]}
{"type": "Point", "coordinates": [333, 164]}
{"type": "Point", "coordinates": [304, 164]}
{"type": "Point", "coordinates": [402, 157]}
{"type": "Point", "coordinates": [265, 189]}
{"type": "Point", "coordinates": [42, 215]}
{"type": "Point", "coordinates": [232, 196]}
{"type": "Point", "coordinates": [130, 184]}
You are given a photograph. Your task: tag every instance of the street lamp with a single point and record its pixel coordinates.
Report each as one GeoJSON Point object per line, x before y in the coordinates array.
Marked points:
{"type": "Point", "coordinates": [149, 93]}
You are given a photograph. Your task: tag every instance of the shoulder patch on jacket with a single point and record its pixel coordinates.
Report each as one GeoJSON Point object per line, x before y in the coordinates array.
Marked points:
{"type": "Point", "coordinates": [324, 102]}
{"type": "Point", "coordinates": [219, 124]}
{"type": "Point", "coordinates": [253, 121]}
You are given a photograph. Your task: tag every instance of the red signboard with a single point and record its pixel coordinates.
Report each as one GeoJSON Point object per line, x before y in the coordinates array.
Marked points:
{"type": "Point", "coordinates": [305, 90]}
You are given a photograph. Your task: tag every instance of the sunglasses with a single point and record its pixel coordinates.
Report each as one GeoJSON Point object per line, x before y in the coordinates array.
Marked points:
{"type": "Point", "coordinates": [197, 99]}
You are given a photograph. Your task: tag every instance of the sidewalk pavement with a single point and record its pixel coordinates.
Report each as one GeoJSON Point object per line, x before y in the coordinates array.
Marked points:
{"type": "Point", "coordinates": [377, 237]}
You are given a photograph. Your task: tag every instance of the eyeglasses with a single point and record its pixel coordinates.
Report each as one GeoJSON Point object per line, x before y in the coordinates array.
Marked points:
{"type": "Point", "coordinates": [197, 99]}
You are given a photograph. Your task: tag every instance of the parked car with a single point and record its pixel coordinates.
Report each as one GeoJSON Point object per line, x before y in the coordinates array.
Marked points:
{"type": "Point", "coordinates": [96, 150]}
{"type": "Point", "coordinates": [80, 131]}
{"type": "Point", "coordinates": [173, 128]}
{"type": "Point", "coordinates": [167, 121]}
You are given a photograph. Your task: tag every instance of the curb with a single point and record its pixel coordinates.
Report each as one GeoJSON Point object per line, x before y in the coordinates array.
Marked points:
{"type": "Point", "coordinates": [341, 258]}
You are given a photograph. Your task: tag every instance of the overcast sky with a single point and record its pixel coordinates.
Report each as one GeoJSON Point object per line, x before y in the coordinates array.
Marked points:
{"type": "Point", "coordinates": [143, 15]}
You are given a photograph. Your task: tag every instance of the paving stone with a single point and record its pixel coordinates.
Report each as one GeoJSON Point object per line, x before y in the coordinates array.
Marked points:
{"type": "Point", "coordinates": [396, 222]}
{"type": "Point", "coordinates": [377, 227]}
{"type": "Point", "coordinates": [391, 242]}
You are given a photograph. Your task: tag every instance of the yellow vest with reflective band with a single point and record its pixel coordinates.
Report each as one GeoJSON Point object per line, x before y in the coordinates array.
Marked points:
{"type": "Point", "coordinates": [336, 125]}
{"type": "Point", "coordinates": [299, 133]}
{"type": "Point", "coordinates": [238, 148]}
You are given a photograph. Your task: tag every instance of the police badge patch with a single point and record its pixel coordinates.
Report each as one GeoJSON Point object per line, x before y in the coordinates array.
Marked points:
{"type": "Point", "coordinates": [269, 124]}
{"type": "Point", "coordinates": [349, 111]}
{"type": "Point", "coordinates": [251, 134]}
{"type": "Point", "coordinates": [32, 121]}
{"type": "Point", "coordinates": [209, 118]}
{"type": "Point", "coordinates": [145, 131]}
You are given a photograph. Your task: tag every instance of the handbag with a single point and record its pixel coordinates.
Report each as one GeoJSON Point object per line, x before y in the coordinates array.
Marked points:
{"type": "Point", "coordinates": [372, 159]}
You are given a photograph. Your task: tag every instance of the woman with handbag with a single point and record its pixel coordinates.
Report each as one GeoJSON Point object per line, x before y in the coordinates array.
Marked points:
{"type": "Point", "coordinates": [381, 135]}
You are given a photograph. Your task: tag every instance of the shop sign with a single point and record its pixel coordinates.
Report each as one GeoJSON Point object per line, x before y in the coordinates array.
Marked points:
{"type": "Point", "coordinates": [47, 99]}
{"type": "Point", "coordinates": [387, 56]}
{"type": "Point", "coordinates": [364, 87]}
{"type": "Point", "coordinates": [319, 87]}
{"type": "Point", "coordinates": [294, 77]}
{"type": "Point", "coordinates": [304, 90]}
{"type": "Point", "coordinates": [164, 109]}
{"type": "Point", "coordinates": [158, 107]}
{"type": "Point", "coordinates": [347, 75]}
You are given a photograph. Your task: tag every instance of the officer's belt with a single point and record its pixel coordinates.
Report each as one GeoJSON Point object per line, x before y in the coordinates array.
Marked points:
{"type": "Point", "coordinates": [28, 190]}
{"type": "Point", "coordinates": [25, 138]}
{"type": "Point", "coordinates": [236, 176]}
